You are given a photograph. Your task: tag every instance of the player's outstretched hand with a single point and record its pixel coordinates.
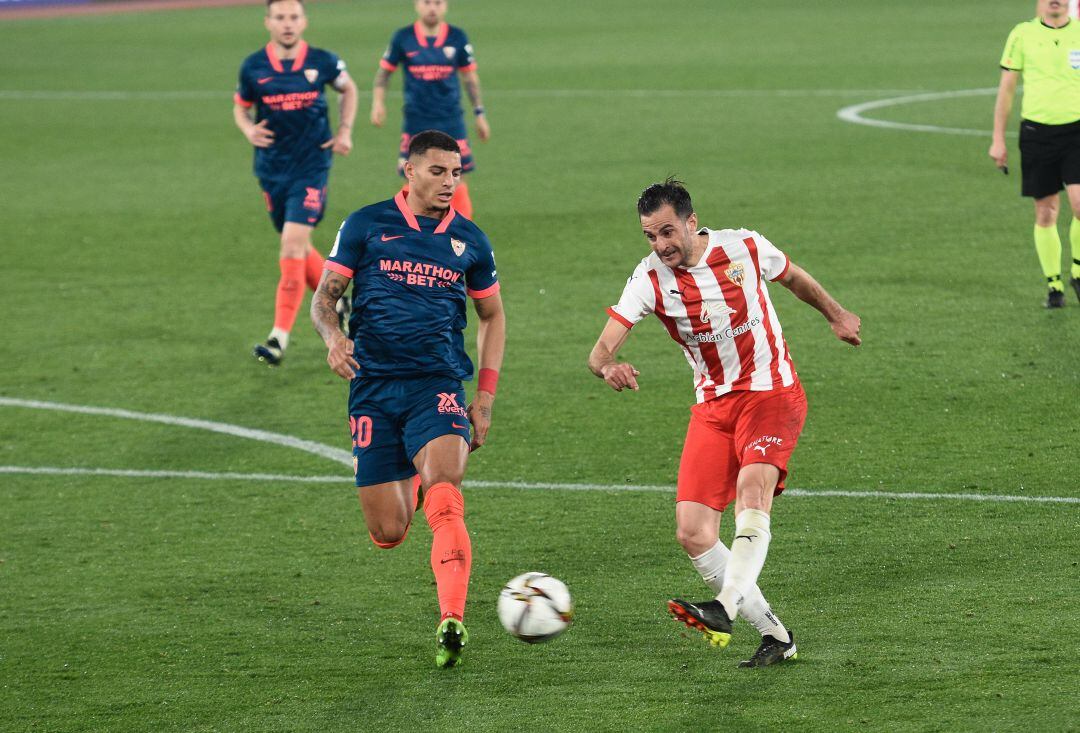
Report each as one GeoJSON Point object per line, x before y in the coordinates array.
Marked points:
{"type": "Point", "coordinates": [378, 114]}
{"type": "Point", "coordinates": [260, 135]}
{"type": "Point", "coordinates": [483, 129]}
{"type": "Point", "coordinates": [479, 412]}
{"type": "Point", "coordinates": [340, 357]}
{"type": "Point", "coordinates": [846, 327]}
{"type": "Point", "coordinates": [1000, 153]}
{"type": "Point", "coordinates": [621, 376]}
{"type": "Point", "coordinates": [341, 143]}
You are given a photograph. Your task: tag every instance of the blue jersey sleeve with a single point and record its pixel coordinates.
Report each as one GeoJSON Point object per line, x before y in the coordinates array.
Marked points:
{"type": "Point", "coordinates": [394, 54]}
{"type": "Point", "coordinates": [245, 88]}
{"type": "Point", "coordinates": [465, 59]}
{"type": "Point", "coordinates": [332, 67]}
{"type": "Point", "coordinates": [482, 280]}
{"type": "Point", "coordinates": [349, 245]}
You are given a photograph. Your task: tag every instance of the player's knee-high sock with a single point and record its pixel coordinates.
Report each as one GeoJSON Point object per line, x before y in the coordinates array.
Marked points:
{"type": "Point", "coordinates": [451, 550]}
{"type": "Point", "coordinates": [748, 551]}
{"type": "Point", "coordinates": [755, 609]}
{"type": "Point", "coordinates": [1048, 246]}
{"type": "Point", "coordinates": [1074, 240]}
{"type": "Point", "coordinates": [313, 267]}
{"type": "Point", "coordinates": [290, 291]}
{"type": "Point", "coordinates": [461, 201]}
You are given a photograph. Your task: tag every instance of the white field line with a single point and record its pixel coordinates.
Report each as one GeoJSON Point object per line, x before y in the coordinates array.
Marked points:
{"type": "Point", "coordinates": [520, 485]}
{"type": "Point", "coordinates": [854, 113]}
{"type": "Point", "coordinates": [344, 457]}
{"type": "Point", "coordinates": [63, 95]}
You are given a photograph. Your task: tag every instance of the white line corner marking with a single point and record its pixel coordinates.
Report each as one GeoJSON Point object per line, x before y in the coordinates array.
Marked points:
{"type": "Point", "coordinates": [344, 457]}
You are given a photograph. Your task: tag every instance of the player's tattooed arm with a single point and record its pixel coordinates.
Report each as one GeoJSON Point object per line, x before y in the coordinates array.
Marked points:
{"type": "Point", "coordinates": [324, 315]}
{"type": "Point", "coordinates": [844, 323]}
{"type": "Point", "coordinates": [602, 363]}
{"type": "Point", "coordinates": [471, 81]}
{"type": "Point", "coordinates": [378, 97]}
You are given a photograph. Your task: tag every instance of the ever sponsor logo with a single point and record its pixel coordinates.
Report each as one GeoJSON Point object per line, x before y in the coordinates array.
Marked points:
{"type": "Point", "coordinates": [448, 404]}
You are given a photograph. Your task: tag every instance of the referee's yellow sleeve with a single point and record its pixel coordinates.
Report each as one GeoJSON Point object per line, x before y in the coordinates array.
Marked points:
{"type": "Point", "coordinates": [1013, 56]}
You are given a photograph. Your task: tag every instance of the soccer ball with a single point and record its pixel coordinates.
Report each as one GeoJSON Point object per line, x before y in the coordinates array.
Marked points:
{"type": "Point", "coordinates": [535, 607]}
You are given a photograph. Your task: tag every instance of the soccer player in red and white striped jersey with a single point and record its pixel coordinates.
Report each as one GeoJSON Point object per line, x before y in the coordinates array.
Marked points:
{"type": "Point", "coordinates": [708, 288]}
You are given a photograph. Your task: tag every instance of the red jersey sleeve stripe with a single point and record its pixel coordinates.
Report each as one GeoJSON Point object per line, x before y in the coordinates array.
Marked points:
{"type": "Point", "coordinates": [469, 67]}
{"type": "Point", "coordinates": [241, 101]}
{"type": "Point", "coordinates": [787, 264]}
{"type": "Point", "coordinates": [387, 65]}
{"type": "Point", "coordinates": [339, 269]}
{"type": "Point", "coordinates": [481, 294]}
{"type": "Point", "coordinates": [614, 314]}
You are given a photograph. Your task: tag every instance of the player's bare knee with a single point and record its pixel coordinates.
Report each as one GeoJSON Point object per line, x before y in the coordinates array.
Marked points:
{"type": "Point", "coordinates": [695, 539]}
{"type": "Point", "coordinates": [1046, 212]}
{"type": "Point", "coordinates": [388, 535]}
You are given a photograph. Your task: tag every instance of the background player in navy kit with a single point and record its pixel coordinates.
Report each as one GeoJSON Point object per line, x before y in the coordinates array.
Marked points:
{"type": "Point", "coordinates": [294, 147]}
{"type": "Point", "coordinates": [432, 52]}
{"type": "Point", "coordinates": [414, 260]}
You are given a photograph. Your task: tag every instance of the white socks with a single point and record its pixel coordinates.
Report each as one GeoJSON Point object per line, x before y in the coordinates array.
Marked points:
{"type": "Point", "coordinates": [748, 551]}
{"type": "Point", "coordinates": [755, 609]}
{"type": "Point", "coordinates": [281, 336]}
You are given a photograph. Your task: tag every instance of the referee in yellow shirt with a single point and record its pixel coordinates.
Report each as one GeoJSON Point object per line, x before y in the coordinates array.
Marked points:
{"type": "Point", "coordinates": [1046, 50]}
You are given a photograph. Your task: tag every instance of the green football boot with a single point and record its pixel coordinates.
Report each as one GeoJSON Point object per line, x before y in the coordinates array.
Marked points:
{"type": "Point", "coordinates": [450, 638]}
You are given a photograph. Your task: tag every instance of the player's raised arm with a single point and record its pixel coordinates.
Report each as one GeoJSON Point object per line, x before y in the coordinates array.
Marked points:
{"type": "Point", "coordinates": [844, 323]}
{"type": "Point", "coordinates": [324, 315]}
{"type": "Point", "coordinates": [602, 363]}
{"type": "Point", "coordinates": [490, 346]}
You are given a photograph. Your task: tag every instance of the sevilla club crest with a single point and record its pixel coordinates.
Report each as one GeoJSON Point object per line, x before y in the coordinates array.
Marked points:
{"type": "Point", "coordinates": [311, 75]}
{"type": "Point", "coordinates": [736, 273]}
{"type": "Point", "coordinates": [458, 246]}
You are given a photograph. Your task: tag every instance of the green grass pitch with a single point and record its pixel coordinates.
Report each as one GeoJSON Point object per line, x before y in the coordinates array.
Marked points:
{"type": "Point", "coordinates": [139, 269]}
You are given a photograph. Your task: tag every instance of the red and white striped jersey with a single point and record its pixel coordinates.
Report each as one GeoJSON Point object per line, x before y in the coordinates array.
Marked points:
{"type": "Point", "coordinates": [718, 311]}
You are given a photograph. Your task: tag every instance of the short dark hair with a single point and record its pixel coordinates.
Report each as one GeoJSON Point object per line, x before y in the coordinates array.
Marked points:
{"type": "Point", "coordinates": [428, 139]}
{"type": "Point", "coordinates": [671, 192]}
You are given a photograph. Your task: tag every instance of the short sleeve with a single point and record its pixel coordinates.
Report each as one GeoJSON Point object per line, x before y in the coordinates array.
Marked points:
{"type": "Point", "coordinates": [394, 54]}
{"type": "Point", "coordinates": [1012, 58]}
{"type": "Point", "coordinates": [334, 67]}
{"type": "Point", "coordinates": [638, 298]}
{"type": "Point", "coordinates": [466, 60]}
{"type": "Point", "coordinates": [482, 279]}
{"type": "Point", "coordinates": [772, 263]}
{"type": "Point", "coordinates": [349, 246]}
{"type": "Point", "coordinates": [245, 91]}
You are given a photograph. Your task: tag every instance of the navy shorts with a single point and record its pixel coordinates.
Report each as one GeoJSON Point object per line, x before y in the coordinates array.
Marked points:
{"type": "Point", "coordinates": [392, 419]}
{"type": "Point", "coordinates": [452, 126]}
{"type": "Point", "coordinates": [297, 200]}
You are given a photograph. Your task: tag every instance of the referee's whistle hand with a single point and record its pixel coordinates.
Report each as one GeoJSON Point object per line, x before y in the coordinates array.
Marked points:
{"type": "Point", "coordinates": [1000, 153]}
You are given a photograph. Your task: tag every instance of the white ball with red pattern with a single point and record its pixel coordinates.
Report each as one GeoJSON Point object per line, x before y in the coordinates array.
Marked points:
{"type": "Point", "coordinates": [535, 607]}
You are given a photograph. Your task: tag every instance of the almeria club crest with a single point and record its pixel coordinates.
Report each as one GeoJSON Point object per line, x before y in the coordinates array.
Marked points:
{"type": "Point", "coordinates": [458, 246]}
{"type": "Point", "coordinates": [311, 75]}
{"type": "Point", "coordinates": [736, 273]}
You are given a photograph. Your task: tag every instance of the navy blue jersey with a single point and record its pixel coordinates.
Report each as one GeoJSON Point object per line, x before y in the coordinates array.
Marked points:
{"type": "Point", "coordinates": [289, 94]}
{"type": "Point", "coordinates": [432, 90]}
{"type": "Point", "coordinates": [411, 276]}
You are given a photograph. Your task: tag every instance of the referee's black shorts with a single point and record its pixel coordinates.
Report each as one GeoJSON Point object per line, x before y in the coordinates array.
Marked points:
{"type": "Point", "coordinates": [1049, 157]}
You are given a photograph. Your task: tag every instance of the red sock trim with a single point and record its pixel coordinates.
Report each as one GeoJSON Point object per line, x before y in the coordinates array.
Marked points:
{"type": "Point", "coordinates": [390, 545]}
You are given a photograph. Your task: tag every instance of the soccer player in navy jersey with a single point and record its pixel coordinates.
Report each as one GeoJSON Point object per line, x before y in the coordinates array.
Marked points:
{"type": "Point", "coordinates": [413, 261]}
{"type": "Point", "coordinates": [433, 53]}
{"type": "Point", "coordinates": [284, 84]}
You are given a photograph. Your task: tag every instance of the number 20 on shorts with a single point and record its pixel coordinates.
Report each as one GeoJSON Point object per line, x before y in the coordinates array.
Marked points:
{"type": "Point", "coordinates": [360, 428]}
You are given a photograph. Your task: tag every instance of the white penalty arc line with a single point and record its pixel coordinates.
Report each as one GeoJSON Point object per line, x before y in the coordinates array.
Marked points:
{"type": "Point", "coordinates": [344, 457]}
{"type": "Point", "coordinates": [854, 113]}
{"type": "Point", "coordinates": [518, 485]}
